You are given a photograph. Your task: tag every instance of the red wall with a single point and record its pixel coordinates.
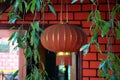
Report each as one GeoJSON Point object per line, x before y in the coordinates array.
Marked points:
{"type": "Point", "coordinates": [78, 14]}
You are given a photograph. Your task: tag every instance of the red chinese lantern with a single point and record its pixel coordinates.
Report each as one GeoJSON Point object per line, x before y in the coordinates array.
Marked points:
{"type": "Point", "coordinates": [63, 38]}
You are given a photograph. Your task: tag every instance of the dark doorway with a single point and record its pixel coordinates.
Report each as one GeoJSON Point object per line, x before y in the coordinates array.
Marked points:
{"type": "Point", "coordinates": [55, 72]}
{"type": "Point", "coordinates": [50, 65]}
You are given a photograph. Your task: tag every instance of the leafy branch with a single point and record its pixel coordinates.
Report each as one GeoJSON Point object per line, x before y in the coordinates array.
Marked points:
{"type": "Point", "coordinates": [28, 39]}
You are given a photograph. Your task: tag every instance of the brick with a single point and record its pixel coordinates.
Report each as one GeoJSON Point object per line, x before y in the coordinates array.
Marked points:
{"type": "Point", "coordinates": [113, 1]}
{"type": "Point", "coordinates": [74, 22]}
{"type": "Point", "coordinates": [90, 56]}
{"type": "Point", "coordinates": [96, 78]}
{"type": "Point", "coordinates": [102, 1]}
{"type": "Point", "coordinates": [85, 64]}
{"type": "Point", "coordinates": [102, 40]}
{"type": "Point", "coordinates": [103, 15]}
{"type": "Point", "coordinates": [104, 7]}
{"type": "Point", "coordinates": [86, 24]}
{"type": "Point", "coordinates": [116, 48]}
{"type": "Point", "coordinates": [54, 1]}
{"type": "Point", "coordinates": [85, 78]}
{"type": "Point", "coordinates": [81, 15]}
{"type": "Point", "coordinates": [50, 16]}
{"type": "Point", "coordinates": [88, 7]}
{"type": "Point", "coordinates": [58, 7]}
{"type": "Point", "coordinates": [64, 1]}
{"type": "Point", "coordinates": [54, 22]}
{"type": "Point", "coordinates": [21, 22]}
{"type": "Point", "coordinates": [4, 17]}
{"type": "Point", "coordinates": [74, 8]}
{"type": "Point", "coordinates": [117, 41]}
{"type": "Point", "coordinates": [3, 22]}
{"type": "Point", "coordinates": [86, 1]}
{"type": "Point", "coordinates": [94, 49]}
{"type": "Point", "coordinates": [88, 39]}
{"type": "Point", "coordinates": [30, 16]}
{"type": "Point", "coordinates": [89, 72]}
{"type": "Point", "coordinates": [101, 56]}
{"type": "Point", "coordinates": [117, 16]}
{"type": "Point", "coordinates": [70, 16]}
{"type": "Point", "coordinates": [45, 22]}
{"type": "Point", "coordinates": [46, 9]}
{"type": "Point", "coordinates": [98, 72]}
{"type": "Point", "coordinates": [87, 31]}
{"type": "Point", "coordinates": [94, 64]}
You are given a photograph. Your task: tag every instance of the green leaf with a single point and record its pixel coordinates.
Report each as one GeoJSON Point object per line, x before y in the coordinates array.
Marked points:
{"type": "Point", "coordinates": [105, 67]}
{"type": "Point", "coordinates": [26, 6]}
{"type": "Point", "coordinates": [36, 73]}
{"type": "Point", "coordinates": [113, 77]}
{"type": "Point", "coordinates": [74, 1]}
{"type": "Point", "coordinates": [38, 4]}
{"type": "Point", "coordinates": [94, 38]}
{"type": "Point", "coordinates": [11, 37]}
{"type": "Point", "coordinates": [28, 52]}
{"type": "Point", "coordinates": [11, 28]}
{"type": "Point", "coordinates": [16, 4]}
{"type": "Point", "coordinates": [102, 64]}
{"type": "Point", "coordinates": [1, 13]}
{"type": "Point", "coordinates": [117, 33]}
{"type": "Point", "coordinates": [98, 47]}
{"type": "Point", "coordinates": [113, 12]}
{"type": "Point", "coordinates": [35, 26]}
{"type": "Point", "coordinates": [32, 8]}
{"type": "Point", "coordinates": [85, 48]}
{"type": "Point", "coordinates": [85, 51]}
{"type": "Point", "coordinates": [20, 7]}
{"type": "Point", "coordinates": [13, 17]}
{"type": "Point", "coordinates": [15, 74]}
{"type": "Point", "coordinates": [89, 16]}
{"type": "Point", "coordinates": [12, 20]}
{"type": "Point", "coordinates": [105, 29]}
{"type": "Point", "coordinates": [92, 1]}
{"type": "Point", "coordinates": [118, 10]}
{"type": "Point", "coordinates": [14, 38]}
{"type": "Point", "coordinates": [118, 23]}
{"type": "Point", "coordinates": [52, 9]}
{"type": "Point", "coordinates": [97, 15]}
{"type": "Point", "coordinates": [36, 56]}
{"type": "Point", "coordinates": [21, 45]}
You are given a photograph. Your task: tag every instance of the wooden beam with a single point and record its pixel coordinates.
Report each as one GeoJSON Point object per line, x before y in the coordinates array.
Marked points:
{"type": "Point", "coordinates": [7, 26]}
{"type": "Point", "coordinates": [78, 65]}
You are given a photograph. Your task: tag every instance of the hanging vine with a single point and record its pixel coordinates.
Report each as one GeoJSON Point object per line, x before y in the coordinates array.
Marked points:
{"type": "Point", "coordinates": [110, 69]}
{"type": "Point", "coordinates": [28, 39]}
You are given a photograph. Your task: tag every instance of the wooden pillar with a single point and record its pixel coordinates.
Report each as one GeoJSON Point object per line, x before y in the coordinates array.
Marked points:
{"type": "Point", "coordinates": [78, 66]}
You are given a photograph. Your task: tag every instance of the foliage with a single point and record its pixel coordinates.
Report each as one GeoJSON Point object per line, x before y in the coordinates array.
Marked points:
{"type": "Point", "coordinates": [29, 39]}
{"type": "Point", "coordinates": [110, 67]}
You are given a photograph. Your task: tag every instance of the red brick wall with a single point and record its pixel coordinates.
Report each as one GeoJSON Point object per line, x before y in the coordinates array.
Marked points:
{"type": "Point", "coordinates": [78, 14]}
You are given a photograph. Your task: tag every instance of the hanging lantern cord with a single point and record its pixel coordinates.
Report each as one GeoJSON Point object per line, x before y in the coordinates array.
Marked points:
{"type": "Point", "coordinates": [66, 11]}
{"type": "Point", "coordinates": [61, 21]}
{"type": "Point", "coordinates": [61, 14]}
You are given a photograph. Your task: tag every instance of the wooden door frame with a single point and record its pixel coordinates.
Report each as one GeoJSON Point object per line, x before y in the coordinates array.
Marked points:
{"type": "Point", "coordinates": [79, 65]}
